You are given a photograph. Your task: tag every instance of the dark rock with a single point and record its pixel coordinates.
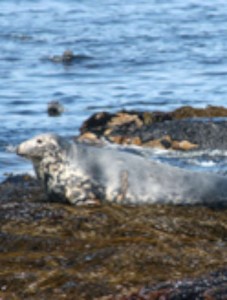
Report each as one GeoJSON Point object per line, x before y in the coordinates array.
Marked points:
{"type": "Point", "coordinates": [210, 287]}
{"type": "Point", "coordinates": [97, 123]}
{"type": "Point", "coordinates": [187, 128]}
{"type": "Point", "coordinates": [205, 134]}
{"type": "Point", "coordinates": [201, 134]}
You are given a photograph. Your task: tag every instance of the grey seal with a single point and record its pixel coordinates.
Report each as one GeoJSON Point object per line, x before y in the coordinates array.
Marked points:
{"type": "Point", "coordinates": [80, 174]}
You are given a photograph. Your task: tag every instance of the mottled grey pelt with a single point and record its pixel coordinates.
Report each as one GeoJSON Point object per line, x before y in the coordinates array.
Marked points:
{"type": "Point", "coordinates": [81, 174]}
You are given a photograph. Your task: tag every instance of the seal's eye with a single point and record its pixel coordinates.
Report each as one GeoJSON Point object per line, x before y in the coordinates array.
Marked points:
{"type": "Point", "coordinates": [39, 141]}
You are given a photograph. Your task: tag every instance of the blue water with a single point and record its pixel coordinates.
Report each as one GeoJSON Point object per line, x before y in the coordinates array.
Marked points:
{"type": "Point", "coordinates": [148, 54]}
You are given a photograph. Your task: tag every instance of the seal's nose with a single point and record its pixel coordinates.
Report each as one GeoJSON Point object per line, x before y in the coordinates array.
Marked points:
{"type": "Point", "coordinates": [19, 150]}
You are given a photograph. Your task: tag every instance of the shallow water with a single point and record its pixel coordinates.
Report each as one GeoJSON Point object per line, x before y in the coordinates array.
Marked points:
{"type": "Point", "coordinates": [147, 55]}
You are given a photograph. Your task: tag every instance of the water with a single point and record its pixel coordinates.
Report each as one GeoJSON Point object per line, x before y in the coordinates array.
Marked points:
{"type": "Point", "coordinates": [151, 54]}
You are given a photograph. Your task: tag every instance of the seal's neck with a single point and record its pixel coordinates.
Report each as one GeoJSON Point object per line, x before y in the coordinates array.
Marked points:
{"type": "Point", "coordinates": [48, 163]}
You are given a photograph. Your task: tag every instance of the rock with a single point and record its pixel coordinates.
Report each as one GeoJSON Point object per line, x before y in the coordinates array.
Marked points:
{"type": "Point", "coordinates": [97, 123]}
{"type": "Point", "coordinates": [150, 128]}
{"type": "Point", "coordinates": [191, 112]}
{"type": "Point", "coordinates": [122, 118]}
{"type": "Point", "coordinates": [109, 252]}
{"type": "Point", "coordinates": [162, 143]}
{"type": "Point", "coordinates": [183, 134]}
{"type": "Point", "coordinates": [183, 145]}
{"type": "Point", "coordinates": [125, 140]}
{"type": "Point", "coordinates": [210, 287]}
{"type": "Point", "coordinates": [88, 136]}
{"type": "Point", "coordinates": [90, 139]}
{"type": "Point", "coordinates": [156, 116]}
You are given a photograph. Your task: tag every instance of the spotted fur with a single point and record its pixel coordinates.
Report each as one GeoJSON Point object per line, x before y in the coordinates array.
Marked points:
{"type": "Point", "coordinates": [82, 174]}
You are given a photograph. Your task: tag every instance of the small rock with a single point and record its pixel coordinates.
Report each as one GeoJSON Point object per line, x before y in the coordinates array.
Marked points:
{"type": "Point", "coordinates": [122, 118]}
{"type": "Point", "coordinates": [163, 143]}
{"type": "Point", "coordinates": [184, 145]}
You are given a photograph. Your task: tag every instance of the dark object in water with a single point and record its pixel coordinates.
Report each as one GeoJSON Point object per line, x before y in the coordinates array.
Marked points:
{"type": "Point", "coordinates": [55, 109]}
{"type": "Point", "coordinates": [69, 57]}
{"type": "Point", "coordinates": [66, 57]}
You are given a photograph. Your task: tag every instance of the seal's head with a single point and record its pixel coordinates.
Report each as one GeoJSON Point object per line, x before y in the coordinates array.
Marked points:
{"type": "Point", "coordinates": [40, 146]}
{"type": "Point", "coordinates": [44, 150]}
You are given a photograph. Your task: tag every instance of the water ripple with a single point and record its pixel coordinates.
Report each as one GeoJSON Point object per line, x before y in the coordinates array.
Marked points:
{"type": "Point", "coordinates": [147, 55]}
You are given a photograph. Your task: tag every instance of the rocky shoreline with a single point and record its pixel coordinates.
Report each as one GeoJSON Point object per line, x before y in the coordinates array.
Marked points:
{"type": "Point", "coordinates": [108, 252]}
{"type": "Point", "coordinates": [186, 128]}
{"type": "Point", "coordinates": [53, 250]}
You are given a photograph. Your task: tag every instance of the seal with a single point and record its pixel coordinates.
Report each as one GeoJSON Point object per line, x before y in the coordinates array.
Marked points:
{"type": "Point", "coordinates": [82, 174]}
{"type": "Point", "coordinates": [55, 108]}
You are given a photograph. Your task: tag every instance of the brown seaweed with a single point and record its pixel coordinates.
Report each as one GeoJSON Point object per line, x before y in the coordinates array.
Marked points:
{"type": "Point", "coordinates": [57, 251]}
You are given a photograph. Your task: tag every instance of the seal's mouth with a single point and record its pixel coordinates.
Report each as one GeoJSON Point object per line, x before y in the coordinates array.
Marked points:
{"type": "Point", "coordinates": [21, 152]}
{"type": "Point", "coordinates": [28, 152]}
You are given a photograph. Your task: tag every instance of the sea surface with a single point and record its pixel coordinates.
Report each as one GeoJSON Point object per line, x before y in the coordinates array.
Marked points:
{"type": "Point", "coordinates": [143, 55]}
